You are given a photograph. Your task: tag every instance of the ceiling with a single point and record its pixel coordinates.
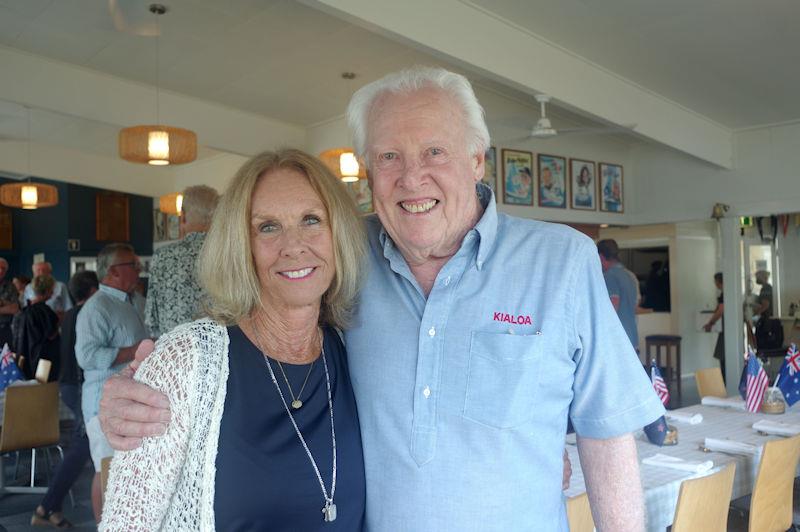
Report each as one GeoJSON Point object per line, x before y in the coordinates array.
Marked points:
{"type": "Point", "coordinates": [730, 61]}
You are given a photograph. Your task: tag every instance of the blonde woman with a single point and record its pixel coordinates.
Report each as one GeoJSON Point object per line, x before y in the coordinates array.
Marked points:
{"type": "Point", "coordinates": [264, 431]}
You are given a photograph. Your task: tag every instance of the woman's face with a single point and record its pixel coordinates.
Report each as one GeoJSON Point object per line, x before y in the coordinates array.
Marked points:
{"type": "Point", "coordinates": [291, 241]}
{"type": "Point", "coordinates": [18, 284]}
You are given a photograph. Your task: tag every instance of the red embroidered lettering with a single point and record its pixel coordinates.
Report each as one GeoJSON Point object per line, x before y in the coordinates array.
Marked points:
{"type": "Point", "coordinates": [520, 319]}
{"type": "Point", "coordinates": [496, 316]}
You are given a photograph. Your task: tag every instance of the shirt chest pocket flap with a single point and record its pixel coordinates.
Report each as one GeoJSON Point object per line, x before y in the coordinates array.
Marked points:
{"type": "Point", "coordinates": [502, 379]}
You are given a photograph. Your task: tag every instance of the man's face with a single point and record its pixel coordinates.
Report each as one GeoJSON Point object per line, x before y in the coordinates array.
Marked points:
{"type": "Point", "coordinates": [125, 271]}
{"type": "Point", "coordinates": [421, 172]}
{"type": "Point", "coordinates": [40, 268]}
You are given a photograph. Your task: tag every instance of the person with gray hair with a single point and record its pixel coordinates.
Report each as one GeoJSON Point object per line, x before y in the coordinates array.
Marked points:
{"type": "Point", "coordinates": [174, 295]}
{"type": "Point", "coordinates": [108, 331]}
{"type": "Point", "coordinates": [59, 300]}
{"type": "Point", "coordinates": [477, 336]}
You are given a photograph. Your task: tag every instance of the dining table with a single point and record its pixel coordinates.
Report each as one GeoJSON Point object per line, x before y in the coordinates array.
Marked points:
{"type": "Point", "coordinates": [661, 485]}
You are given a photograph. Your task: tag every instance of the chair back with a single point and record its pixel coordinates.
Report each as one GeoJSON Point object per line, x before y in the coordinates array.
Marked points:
{"type": "Point", "coordinates": [30, 417]}
{"type": "Point", "coordinates": [43, 370]}
{"type": "Point", "coordinates": [771, 504]}
{"type": "Point", "coordinates": [703, 502]}
{"type": "Point", "coordinates": [579, 514]}
{"type": "Point", "coordinates": [710, 383]}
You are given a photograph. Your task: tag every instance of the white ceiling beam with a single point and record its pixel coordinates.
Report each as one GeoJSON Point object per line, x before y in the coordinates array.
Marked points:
{"type": "Point", "coordinates": [510, 54]}
{"type": "Point", "coordinates": [72, 90]}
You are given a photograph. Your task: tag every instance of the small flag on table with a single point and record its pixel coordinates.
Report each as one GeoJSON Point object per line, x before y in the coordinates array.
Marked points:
{"type": "Point", "coordinates": [9, 372]}
{"type": "Point", "coordinates": [657, 431]}
{"type": "Point", "coordinates": [757, 383]}
{"type": "Point", "coordinates": [658, 383]}
{"type": "Point", "coordinates": [789, 376]}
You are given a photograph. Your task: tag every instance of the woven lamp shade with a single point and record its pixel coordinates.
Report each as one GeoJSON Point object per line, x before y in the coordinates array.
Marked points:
{"type": "Point", "coordinates": [28, 195]}
{"type": "Point", "coordinates": [171, 203]}
{"type": "Point", "coordinates": [134, 145]}
{"type": "Point", "coordinates": [331, 159]}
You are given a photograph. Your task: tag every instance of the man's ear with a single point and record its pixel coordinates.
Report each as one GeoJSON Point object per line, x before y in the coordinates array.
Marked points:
{"type": "Point", "coordinates": [478, 165]}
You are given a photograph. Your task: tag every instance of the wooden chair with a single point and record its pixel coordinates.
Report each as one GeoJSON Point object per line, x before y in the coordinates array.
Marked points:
{"type": "Point", "coordinates": [710, 383]}
{"type": "Point", "coordinates": [703, 502]}
{"type": "Point", "coordinates": [30, 421]}
{"type": "Point", "coordinates": [105, 467]}
{"type": "Point", "coordinates": [771, 503]}
{"type": "Point", "coordinates": [579, 514]}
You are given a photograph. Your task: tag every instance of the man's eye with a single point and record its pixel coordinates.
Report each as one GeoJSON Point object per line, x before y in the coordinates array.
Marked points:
{"type": "Point", "coordinates": [436, 151]}
{"type": "Point", "coordinates": [387, 156]}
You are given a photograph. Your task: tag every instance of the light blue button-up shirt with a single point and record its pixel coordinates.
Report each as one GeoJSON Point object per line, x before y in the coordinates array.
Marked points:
{"type": "Point", "coordinates": [463, 396]}
{"type": "Point", "coordinates": [107, 322]}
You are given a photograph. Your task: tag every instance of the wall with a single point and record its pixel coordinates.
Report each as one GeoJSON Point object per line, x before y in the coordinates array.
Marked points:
{"type": "Point", "coordinates": [789, 253]}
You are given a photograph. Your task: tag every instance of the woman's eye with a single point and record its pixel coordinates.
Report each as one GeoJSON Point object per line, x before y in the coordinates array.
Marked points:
{"type": "Point", "coordinates": [268, 227]}
{"type": "Point", "coordinates": [311, 220]}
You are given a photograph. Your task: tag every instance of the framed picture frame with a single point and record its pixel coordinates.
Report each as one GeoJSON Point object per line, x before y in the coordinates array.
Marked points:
{"type": "Point", "coordinates": [490, 170]}
{"type": "Point", "coordinates": [173, 227]}
{"type": "Point", "coordinates": [582, 185]}
{"type": "Point", "coordinates": [612, 193]}
{"type": "Point", "coordinates": [552, 181]}
{"type": "Point", "coordinates": [517, 177]}
{"type": "Point", "coordinates": [112, 220]}
{"type": "Point", "coordinates": [159, 226]}
{"type": "Point", "coordinates": [362, 195]}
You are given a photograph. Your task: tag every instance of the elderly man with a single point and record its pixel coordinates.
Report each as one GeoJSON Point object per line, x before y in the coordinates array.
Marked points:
{"type": "Point", "coordinates": [107, 331]}
{"type": "Point", "coordinates": [9, 304]}
{"type": "Point", "coordinates": [476, 338]}
{"type": "Point", "coordinates": [173, 295]}
{"type": "Point", "coordinates": [59, 301]}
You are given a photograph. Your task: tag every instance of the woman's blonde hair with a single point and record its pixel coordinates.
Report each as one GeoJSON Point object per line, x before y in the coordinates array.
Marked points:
{"type": "Point", "coordinates": [226, 269]}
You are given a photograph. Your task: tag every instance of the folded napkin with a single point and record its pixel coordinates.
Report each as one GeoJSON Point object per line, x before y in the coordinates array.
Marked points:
{"type": "Point", "coordinates": [724, 402]}
{"type": "Point", "coordinates": [672, 462]}
{"type": "Point", "coordinates": [685, 417]}
{"type": "Point", "coordinates": [776, 427]}
{"type": "Point", "coordinates": [730, 446]}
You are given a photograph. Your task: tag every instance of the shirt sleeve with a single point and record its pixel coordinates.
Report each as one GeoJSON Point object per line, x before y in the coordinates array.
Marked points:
{"type": "Point", "coordinates": [612, 394]}
{"type": "Point", "coordinates": [612, 285]}
{"type": "Point", "coordinates": [92, 349]}
{"type": "Point", "coordinates": [151, 304]}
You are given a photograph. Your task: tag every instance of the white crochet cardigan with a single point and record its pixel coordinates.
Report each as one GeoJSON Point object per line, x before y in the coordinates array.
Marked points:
{"type": "Point", "coordinates": [168, 482]}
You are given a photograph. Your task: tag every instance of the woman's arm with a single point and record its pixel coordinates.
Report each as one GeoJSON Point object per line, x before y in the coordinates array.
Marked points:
{"type": "Point", "coordinates": [715, 317]}
{"type": "Point", "coordinates": [143, 481]}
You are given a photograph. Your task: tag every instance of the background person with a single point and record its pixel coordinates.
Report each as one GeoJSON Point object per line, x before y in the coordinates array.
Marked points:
{"type": "Point", "coordinates": [9, 303]}
{"type": "Point", "coordinates": [35, 330]}
{"type": "Point", "coordinates": [719, 314]}
{"type": "Point", "coordinates": [59, 300]}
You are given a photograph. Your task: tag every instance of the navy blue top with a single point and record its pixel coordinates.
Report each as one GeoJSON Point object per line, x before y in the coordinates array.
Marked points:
{"type": "Point", "coordinates": [265, 480]}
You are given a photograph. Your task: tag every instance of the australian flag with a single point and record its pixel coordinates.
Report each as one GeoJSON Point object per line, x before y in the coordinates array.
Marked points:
{"type": "Point", "coordinates": [789, 376]}
{"type": "Point", "coordinates": [756, 383]}
{"type": "Point", "coordinates": [9, 372]}
{"type": "Point", "coordinates": [658, 383]}
{"type": "Point", "coordinates": [657, 431]}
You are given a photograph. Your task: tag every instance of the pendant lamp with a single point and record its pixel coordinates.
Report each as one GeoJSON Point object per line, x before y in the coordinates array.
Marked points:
{"type": "Point", "coordinates": [158, 145]}
{"type": "Point", "coordinates": [171, 203]}
{"type": "Point", "coordinates": [344, 164]}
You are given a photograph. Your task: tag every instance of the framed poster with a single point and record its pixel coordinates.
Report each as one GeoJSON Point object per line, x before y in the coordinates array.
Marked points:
{"type": "Point", "coordinates": [552, 181]}
{"type": "Point", "coordinates": [517, 177]}
{"type": "Point", "coordinates": [361, 194]}
{"type": "Point", "coordinates": [173, 227]}
{"type": "Point", "coordinates": [582, 185]}
{"type": "Point", "coordinates": [159, 226]}
{"type": "Point", "coordinates": [112, 220]}
{"type": "Point", "coordinates": [611, 191]}
{"type": "Point", "coordinates": [490, 170]}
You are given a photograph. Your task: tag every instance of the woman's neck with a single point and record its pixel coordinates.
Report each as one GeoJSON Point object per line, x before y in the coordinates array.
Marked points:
{"type": "Point", "coordinates": [290, 336]}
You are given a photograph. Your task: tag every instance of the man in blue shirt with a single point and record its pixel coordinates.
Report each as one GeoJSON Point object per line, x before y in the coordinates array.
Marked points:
{"type": "Point", "coordinates": [477, 336]}
{"type": "Point", "coordinates": [622, 288]}
{"type": "Point", "coordinates": [107, 332]}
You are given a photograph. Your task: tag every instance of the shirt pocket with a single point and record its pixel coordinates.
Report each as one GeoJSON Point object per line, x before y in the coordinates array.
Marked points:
{"type": "Point", "coordinates": [502, 379]}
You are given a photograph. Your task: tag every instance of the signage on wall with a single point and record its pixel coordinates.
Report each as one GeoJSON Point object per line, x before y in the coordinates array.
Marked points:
{"type": "Point", "coordinates": [73, 244]}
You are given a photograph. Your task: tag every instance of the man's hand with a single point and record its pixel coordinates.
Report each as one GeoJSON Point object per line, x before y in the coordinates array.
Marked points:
{"type": "Point", "coordinates": [130, 410]}
{"type": "Point", "coordinates": [567, 473]}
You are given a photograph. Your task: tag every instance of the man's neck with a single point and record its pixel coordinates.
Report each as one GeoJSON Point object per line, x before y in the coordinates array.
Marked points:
{"type": "Point", "coordinates": [193, 228]}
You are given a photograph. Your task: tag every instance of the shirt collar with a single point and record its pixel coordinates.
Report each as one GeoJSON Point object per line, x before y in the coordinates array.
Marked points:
{"type": "Point", "coordinates": [194, 235]}
{"type": "Point", "coordinates": [114, 292]}
{"type": "Point", "coordinates": [485, 229]}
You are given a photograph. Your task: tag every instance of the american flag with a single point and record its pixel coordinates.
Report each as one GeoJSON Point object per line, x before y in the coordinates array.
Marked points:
{"type": "Point", "coordinates": [756, 383]}
{"type": "Point", "coordinates": [658, 383]}
{"type": "Point", "coordinates": [8, 368]}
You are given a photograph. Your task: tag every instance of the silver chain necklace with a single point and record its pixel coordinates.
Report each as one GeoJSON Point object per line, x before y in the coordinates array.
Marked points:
{"type": "Point", "coordinates": [329, 510]}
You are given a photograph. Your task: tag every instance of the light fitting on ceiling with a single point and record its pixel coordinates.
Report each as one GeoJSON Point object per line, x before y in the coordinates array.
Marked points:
{"type": "Point", "coordinates": [171, 203]}
{"type": "Point", "coordinates": [344, 164]}
{"type": "Point", "coordinates": [157, 145]}
{"type": "Point", "coordinates": [28, 195]}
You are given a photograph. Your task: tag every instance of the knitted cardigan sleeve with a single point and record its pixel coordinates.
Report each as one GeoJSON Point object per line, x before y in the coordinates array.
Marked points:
{"type": "Point", "coordinates": [144, 483]}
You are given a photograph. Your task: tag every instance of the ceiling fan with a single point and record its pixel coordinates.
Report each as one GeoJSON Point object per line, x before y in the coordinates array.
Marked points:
{"type": "Point", "coordinates": [544, 128]}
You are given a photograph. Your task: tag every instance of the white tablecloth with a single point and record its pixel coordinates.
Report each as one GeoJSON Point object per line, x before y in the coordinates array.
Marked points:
{"type": "Point", "coordinates": [661, 485]}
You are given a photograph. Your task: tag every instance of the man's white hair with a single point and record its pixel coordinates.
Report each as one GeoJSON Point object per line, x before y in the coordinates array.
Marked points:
{"type": "Point", "coordinates": [411, 80]}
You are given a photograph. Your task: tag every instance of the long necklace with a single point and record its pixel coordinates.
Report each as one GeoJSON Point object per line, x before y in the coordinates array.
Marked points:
{"type": "Point", "coordinates": [329, 510]}
{"type": "Point", "coordinates": [296, 402]}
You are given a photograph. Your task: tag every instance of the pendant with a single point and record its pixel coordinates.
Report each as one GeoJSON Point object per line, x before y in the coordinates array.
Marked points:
{"type": "Point", "coordinates": [297, 403]}
{"type": "Point", "coordinates": [329, 512]}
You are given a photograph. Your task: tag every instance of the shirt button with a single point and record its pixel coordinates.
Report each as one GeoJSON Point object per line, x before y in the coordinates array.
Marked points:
{"type": "Point", "coordinates": [426, 392]}
{"type": "Point", "coordinates": [447, 281]}
{"type": "Point", "coordinates": [432, 332]}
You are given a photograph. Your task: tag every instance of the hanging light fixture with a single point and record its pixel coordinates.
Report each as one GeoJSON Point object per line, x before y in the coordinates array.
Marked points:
{"type": "Point", "coordinates": [171, 203]}
{"type": "Point", "coordinates": [28, 195]}
{"type": "Point", "coordinates": [344, 164]}
{"type": "Point", "coordinates": [158, 144]}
